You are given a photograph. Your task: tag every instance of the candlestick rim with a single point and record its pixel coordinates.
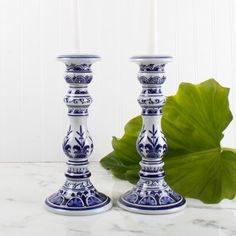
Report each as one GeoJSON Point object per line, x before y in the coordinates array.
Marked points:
{"type": "Point", "coordinates": [156, 58]}
{"type": "Point", "coordinates": [78, 56]}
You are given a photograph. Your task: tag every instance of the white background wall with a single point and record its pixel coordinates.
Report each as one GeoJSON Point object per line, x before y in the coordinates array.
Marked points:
{"type": "Point", "coordinates": [199, 34]}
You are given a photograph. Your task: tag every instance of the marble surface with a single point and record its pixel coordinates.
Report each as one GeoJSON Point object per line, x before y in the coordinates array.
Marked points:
{"type": "Point", "coordinates": [25, 186]}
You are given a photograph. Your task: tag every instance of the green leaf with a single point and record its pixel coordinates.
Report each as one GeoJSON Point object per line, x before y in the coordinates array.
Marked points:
{"type": "Point", "coordinates": [196, 165]}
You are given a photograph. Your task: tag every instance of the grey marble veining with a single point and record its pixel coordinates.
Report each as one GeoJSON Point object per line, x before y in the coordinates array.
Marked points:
{"type": "Point", "coordinates": [22, 209]}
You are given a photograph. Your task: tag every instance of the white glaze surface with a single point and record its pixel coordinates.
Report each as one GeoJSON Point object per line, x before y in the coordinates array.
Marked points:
{"type": "Point", "coordinates": [24, 188]}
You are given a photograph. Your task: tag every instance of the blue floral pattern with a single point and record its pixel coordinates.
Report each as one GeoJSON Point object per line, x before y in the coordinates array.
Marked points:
{"type": "Point", "coordinates": [77, 111]}
{"type": "Point", "coordinates": [152, 79]}
{"type": "Point", "coordinates": [81, 148]}
{"type": "Point", "coordinates": [82, 196]}
{"type": "Point", "coordinates": [78, 79]}
{"type": "Point", "coordinates": [72, 67]}
{"type": "Point", "coordinates": [84, 101]}
{"type": "Point", "coordinates": [152, 67]}
{"type": "Point", "coordinates": [147, 91]}
{"type": "Point", "coordinates": [148, 144]}
{"type": "Point", "coordinates": [160, 196]}
{"type": "Point", "coordinates": [151, 111]}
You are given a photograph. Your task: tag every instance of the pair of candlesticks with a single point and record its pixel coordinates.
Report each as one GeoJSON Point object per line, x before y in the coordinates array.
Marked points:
{"type": "Point", "coordinates": [151, 195]}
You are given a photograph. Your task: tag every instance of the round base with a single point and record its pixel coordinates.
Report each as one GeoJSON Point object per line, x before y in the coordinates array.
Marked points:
{"type": "Point", "coordinates": [80, 211]}
{"type": "Point", "coordinates": [152, 210]}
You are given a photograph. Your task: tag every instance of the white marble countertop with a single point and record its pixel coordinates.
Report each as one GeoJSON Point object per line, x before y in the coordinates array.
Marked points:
{"type": "Point", "coordinates": [25, 186]}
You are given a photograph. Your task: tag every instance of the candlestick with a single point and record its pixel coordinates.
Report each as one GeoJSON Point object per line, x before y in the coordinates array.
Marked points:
{"type": "Point", "coordinates": [78, 196]}
{"type": "Point", "coordinates": [151, 195]}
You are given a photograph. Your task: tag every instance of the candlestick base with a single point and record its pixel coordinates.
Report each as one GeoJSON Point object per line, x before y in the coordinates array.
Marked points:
{"type": "Point", "coordinates": [152, 197]}
{"type": "Point", "coordinates": [78, 198]}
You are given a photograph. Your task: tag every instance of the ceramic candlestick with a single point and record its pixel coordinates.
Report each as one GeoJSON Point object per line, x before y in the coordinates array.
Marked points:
{"type": "Point", "coordinates": [78, 196]}
{"type": "Point", "coordinates": [151, 195]}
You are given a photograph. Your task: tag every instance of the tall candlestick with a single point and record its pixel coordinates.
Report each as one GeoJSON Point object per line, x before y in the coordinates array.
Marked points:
{"type": "Point", "coordinates": [78, 196]}
{"type": "Point", "coordinates": [151, 195]}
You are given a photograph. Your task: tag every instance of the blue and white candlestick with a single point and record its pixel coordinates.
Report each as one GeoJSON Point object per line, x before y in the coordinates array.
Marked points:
{"type": "Point", "coordinates": [151, 195]}
{"type": "Point", "coordinates": [78, 196]}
